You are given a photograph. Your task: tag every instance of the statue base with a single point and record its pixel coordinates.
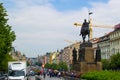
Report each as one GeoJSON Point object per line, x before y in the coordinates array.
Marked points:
{"type": "Point", "coordinates": [87, 61]}
{"type": "Point", "coordinates": [86, 44]}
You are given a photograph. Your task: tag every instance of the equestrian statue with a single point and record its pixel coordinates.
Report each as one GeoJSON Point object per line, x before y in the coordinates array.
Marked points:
{"type": "Point", "coordinates": [85, 30]}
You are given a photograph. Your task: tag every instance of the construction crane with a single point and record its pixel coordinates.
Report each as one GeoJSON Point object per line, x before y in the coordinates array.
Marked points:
{"type": "Point", "coordinates": [75, 44]}
{"type": "Point", "coordinates": [91, 25]}
{"type": "Point", "coordinates": [98, 26]}
{"type": "Point", "coordinates": [69, 41]}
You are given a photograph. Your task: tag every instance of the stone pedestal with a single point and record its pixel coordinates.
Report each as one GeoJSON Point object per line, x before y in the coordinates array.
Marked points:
{"type": "Point", "coordinates": [86, 60]}
{"type": "Point", "coordinates": [99, 66]}
{"type": "Point", "coordinates": [89, 54]}
{"type": "Point", "coordinates": [83, 67]}
{"type": "Point", "coordinates": [76, 66]}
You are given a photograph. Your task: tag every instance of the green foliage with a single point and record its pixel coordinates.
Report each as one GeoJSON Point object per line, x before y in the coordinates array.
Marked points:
{"type": "Point", "coordinates": [102, 75]}
{"type": "Point", "coordinates": [6, 38]}
{"type": "Point", "coordinates": [4, 63]}
{"type": "Point", "coordinates": [60, 66]}
{"type": "Point", "coordinates": [38, 64]}
{"type": "Point", "coordinates": [28, 64]}
{"type": "Point", "coordinates": [54, 66]}
{"type": "Point", "coordinates": [115, 61]}
{"type": "Point", "coordinates": [63, 66]}
{"type": "Point", "coordinates": [105, 64]}
{"type": "Point", "coordinates": [47, 65]}
{"type": "Point", "coordinates": [108, 64]}
{"type": "Point", "coordinates": [112, 63]}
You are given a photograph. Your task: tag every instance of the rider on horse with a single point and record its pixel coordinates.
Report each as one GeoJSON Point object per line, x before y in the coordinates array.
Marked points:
{"type": "Point", "coordinates": [85, 30]}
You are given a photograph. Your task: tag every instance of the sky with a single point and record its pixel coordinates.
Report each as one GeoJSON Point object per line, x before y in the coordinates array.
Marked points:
{"type": "Point", "coordinates": [42, 26]}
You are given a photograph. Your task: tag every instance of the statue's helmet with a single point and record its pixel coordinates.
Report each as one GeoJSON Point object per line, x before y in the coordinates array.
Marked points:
{"type": "Point", "coordinates": [84, 20]}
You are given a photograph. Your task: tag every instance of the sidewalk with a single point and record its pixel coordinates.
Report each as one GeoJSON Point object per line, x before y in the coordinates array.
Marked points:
{"type": "Point", "coordinates": [52, 78]}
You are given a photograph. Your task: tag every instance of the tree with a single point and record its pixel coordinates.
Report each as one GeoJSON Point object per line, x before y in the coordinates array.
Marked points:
{"type": "Point", "coordinates": [4, 63]}
{"type": "Point", "coordinates": [38, 64]}
{"type": "Point", "coordinates": [7, 36]}
{"type": "Point", "coordinates": [54, 66]}
{"type": "Point", "coordinates": [47, 65]}
{"type": "Point", "coordinates": [112, 63]}
{"type": "Point", "coordinates": [28, 64]}
{"type": "Point", "coordinates": [105, 64]}
{"type": "Point", "coordinates": [115, 61]}
{"type": "Point", "coordinates": [63, 66]}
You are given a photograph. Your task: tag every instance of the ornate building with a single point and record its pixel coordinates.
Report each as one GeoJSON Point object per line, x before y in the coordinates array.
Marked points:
{"type": "Point", "coordinates": [66, 53]}
{"type": "Point", "coordinates": [16, 55]}
{"type": "Point", "coordinates": [110, 43]}
{"type": "Point", "coordinates": [115, 40]}
{"type": "Point", "coordinates": [104, 43]}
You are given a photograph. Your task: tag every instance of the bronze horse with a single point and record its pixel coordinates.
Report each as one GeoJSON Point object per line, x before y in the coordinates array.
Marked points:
{"type": "Point", "coordinates": [85, 30]}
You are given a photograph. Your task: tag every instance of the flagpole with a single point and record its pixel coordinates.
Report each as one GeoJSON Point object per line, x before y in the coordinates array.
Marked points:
{"type": "Point", "coordinates": [89, 15]}
{"type": "Point", "coordinates": [90, 23]}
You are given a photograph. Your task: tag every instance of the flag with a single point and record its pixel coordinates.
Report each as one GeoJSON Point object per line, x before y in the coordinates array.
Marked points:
{"type": "Point", "coordinates": [90, 13]}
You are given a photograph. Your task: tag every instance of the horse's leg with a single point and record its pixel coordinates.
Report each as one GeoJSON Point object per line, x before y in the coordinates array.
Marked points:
{"type": "Point", "coordinates": [83, 38]}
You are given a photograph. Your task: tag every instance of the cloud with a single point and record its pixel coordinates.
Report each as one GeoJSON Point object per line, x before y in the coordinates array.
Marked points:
{"type": "Point", "coordinates": [41, 28]}
{"type": "Point", "coordinates": [107, 13]}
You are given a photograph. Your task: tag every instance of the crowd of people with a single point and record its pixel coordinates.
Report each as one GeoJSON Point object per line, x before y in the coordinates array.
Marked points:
{"type": "Point", "coordinates": [60, 74]}
{"type": "Point", "coordinates": [50, 73]}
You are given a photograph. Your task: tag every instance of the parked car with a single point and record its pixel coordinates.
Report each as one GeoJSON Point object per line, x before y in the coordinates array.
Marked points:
{"type": "Point", "coordinates": [31, 73]}
{"type": "Point", "coordinates": [3, 76]}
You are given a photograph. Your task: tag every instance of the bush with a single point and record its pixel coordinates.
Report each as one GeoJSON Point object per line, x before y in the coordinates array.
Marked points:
{"type": "Point", "coordinates": [113, 63]}
{"type": "Point", "coordinates": [102, 75]}
{"type": "Point", "coordinates": [105, 64]}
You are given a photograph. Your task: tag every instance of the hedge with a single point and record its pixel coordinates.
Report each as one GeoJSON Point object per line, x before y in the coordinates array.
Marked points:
{"type": "Point", "coordinates": [102, 75]}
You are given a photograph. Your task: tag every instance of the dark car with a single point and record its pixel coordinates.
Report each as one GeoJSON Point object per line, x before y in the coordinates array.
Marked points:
{"type": "Point", "coordinates": [31, 73]}
{"type": "Point", "coordinates": [3, 76]}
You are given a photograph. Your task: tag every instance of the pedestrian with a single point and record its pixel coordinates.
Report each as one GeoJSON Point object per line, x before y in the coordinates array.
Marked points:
{"type": "Point", "coordinates": [44, 74]}
{"type": "Point", "coordinates": [72, 74]}
{"type": "Point", "coordinates": [50, 73]}
{"type": "Point", "coordinates": [59, 74]}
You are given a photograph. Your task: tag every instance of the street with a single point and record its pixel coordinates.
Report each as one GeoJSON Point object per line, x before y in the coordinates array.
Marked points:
{"type": "Point", "coordinates": [52, 78]}
{"type": "Point", "coordinates": [47, 78]}
{"type": "Point", "coordinates": [31, 78]}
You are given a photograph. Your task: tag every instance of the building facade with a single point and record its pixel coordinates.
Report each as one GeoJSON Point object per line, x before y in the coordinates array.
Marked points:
{"type": "Point", "coordinates": [17, 55]}
{"type": "Point", "coordinates": [104, 43]}
{"type": "Point", "coordinates": [115, 40]}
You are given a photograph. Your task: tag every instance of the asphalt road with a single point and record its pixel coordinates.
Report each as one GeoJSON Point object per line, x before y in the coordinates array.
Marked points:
{"type": "Point", "coordinates": [46, 78]}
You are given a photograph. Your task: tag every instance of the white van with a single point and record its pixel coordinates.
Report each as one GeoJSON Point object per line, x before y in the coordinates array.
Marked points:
{"type": "Point", "coordinates": [17, 70]}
